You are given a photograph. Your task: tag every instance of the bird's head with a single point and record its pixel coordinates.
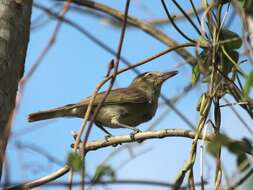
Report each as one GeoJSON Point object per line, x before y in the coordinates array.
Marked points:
{"type": "Point", "coordinates": [152, 80]}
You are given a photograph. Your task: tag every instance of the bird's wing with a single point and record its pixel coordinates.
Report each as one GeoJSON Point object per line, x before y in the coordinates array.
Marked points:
{"type": "Point", "coordinates": [119, 96]}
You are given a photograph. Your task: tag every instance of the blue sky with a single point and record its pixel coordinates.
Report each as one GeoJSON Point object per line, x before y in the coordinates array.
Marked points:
{"type": "Point", "coordinates": [72, 69]}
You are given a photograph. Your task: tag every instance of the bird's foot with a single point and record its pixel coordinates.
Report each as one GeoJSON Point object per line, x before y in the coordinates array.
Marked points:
{"type": "Point", "coordinates": [107, 137]}
{"type": "Point", "coordinates": [136, 130]}
{"type": "Point", "coordinates": [74, 135]}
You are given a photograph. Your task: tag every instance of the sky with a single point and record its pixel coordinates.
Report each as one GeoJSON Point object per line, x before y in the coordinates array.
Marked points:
{"type": "Point", "coordinates": [70, 72]}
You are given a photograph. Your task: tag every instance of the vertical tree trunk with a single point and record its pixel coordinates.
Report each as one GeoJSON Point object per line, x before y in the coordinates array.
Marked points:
{"type": "Point", "coordinates": [14, 36]}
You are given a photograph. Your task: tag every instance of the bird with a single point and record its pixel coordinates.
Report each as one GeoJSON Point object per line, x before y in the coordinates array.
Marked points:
{"type": "Point", "coordinates": [123, 107]}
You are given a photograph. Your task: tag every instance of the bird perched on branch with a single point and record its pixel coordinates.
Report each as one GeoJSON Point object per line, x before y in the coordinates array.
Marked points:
{"type": "Point", "coordinates": [123, 107]}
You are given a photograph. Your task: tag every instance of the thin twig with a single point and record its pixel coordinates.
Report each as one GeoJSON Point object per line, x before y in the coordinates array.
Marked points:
{"type": "Point", "coordinates": [239, 117]}
{"type": "Point", "coordinates": [174, 24]}
{"type": "Point", "coordinates": [153, 21]}
{"type": "Point", "coordinates": [175, 17]}
{"type": "Point", "coordinates": [196, 12]}
{"type": "Point", "coordinates": [240, 181]}
{"type": "Point", "coordinates": [186, 16]}
{"type": "Point", "coordinates": [40, 151]}
{"type": "Point", "coordinates": [150, 29]}
{"type": "Point", "coordinates": [83, 31]}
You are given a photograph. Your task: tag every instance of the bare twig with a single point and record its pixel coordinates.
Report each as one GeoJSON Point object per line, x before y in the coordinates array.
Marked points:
{"type": "Point", "coordinates": [174, 24]}
{"type": "Point", "coordinates": [40, 151]}
{"type": "Point", "coordinates": [240, 117]}
{"type": "Point", "coordinates": [187, 16]}
{"type": "Point", "coordinates": [240, 181]}
{"type": "Point", "coordinates": [117, 182]}
{"type": "Point", "coordinates": [153, 21]}
{"type": "Point", "coordinates": [150, 29]}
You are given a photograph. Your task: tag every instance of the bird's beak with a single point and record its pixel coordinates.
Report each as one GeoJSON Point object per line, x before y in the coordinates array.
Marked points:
{"type": "Point", "coordinates": [168, 75]}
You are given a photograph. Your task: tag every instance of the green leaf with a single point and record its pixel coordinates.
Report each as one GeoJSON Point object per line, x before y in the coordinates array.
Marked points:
{"type": "Point", "coordinates": [230, 40]}
{"type": "Point", "coordinates": [201, 99]}
{"type": "Point", "coordinates": [200, 67]}
{"type": "Point", "coordinates": [103, 171]}
{"type": "Point", "coordinates": [248, 85]}
{"type": "Point", "coordinates": [228, 63]}
{"type": "Point", "coordinates": [75, 161]}
{"type": "Point", "coordinates": [202, 62]}
{"type": "Point", "coordinates": [242, 162]}
{"type": "Point", "coordinates": [226, 54]}
{"type": "Point", "coordinates": [195, 74]}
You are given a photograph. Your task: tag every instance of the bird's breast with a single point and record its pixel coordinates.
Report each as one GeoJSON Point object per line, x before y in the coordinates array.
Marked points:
{"type": "Point", "coordinates": [128, 113]}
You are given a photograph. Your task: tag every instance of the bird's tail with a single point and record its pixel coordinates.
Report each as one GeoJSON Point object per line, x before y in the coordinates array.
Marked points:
{"type": "Point", "coordinates": [65, 111]}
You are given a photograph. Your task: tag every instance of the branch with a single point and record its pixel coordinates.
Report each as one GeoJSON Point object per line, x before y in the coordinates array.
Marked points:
{"type": "Point", "coordinates": [142, 136]}
{"type": "Point", "coordinates": [98, 144]}
{"type": "Point", "coordinates": [145, 26]}
{"type": "Point", "coordinates": [153, 21]}
{"type": "Point", "coordinates": [118, 182]}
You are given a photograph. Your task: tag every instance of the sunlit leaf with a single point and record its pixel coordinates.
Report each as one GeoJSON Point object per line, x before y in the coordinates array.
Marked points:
{"type": "Point", "coordinates": [248, 85]}
{"type": "Point", "coordinates": [75, 161]}
{"type": "Point", "coordinates": [200, 67]}
{"type": "Point", "coordinates": [103, 171]}
{"type": "Point", "coordinates": [195, 74]}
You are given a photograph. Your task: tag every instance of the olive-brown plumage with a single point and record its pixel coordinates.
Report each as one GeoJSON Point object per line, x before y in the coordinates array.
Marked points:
{"type": "Point", "coordinates": [123, 107]}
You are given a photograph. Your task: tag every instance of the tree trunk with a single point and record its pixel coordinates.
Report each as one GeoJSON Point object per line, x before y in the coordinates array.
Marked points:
{"type": "Point", "coordinates": [14, 36]}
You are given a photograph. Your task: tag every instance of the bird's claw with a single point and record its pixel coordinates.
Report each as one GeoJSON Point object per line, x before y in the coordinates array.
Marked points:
{"type": "Point", "coordinates": [134, 133]}
{"type": "Point", "coordinates": [107, 137]}
{"type": "Point", "coordinates": [107, 140]}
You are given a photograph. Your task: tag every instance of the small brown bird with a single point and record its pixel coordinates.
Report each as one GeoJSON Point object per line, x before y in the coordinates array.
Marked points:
{"type": "Point", "coordinates": [123, 107]}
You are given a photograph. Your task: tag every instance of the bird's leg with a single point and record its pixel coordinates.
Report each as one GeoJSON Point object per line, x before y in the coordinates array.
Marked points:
{"type": "Point", "coordinates": [103, 129]}
{"type": "Point", "coordinates": [116, 122]}
{"type": "Point", "coordinates": [107, 132]}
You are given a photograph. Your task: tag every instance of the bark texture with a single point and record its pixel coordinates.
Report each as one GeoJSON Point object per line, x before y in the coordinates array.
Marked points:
{"type": "Point", "coordinates": [14, 36]}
